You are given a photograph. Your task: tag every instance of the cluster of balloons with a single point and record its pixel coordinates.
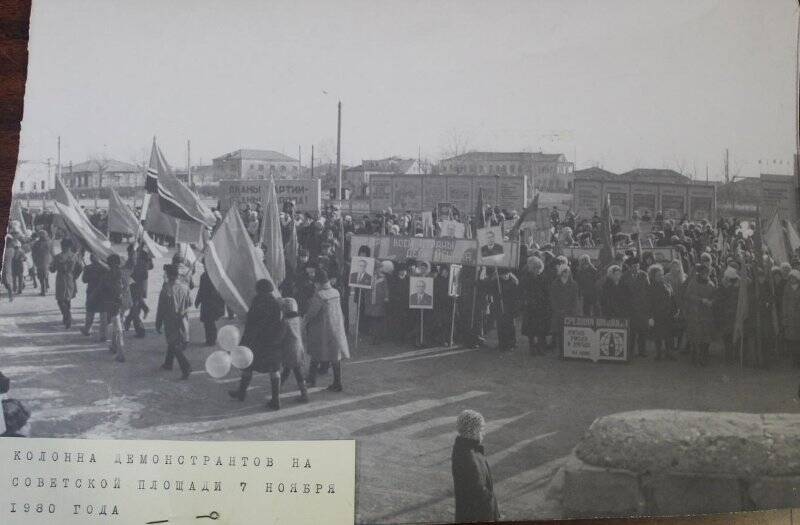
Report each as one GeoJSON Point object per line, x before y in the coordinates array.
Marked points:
{"type": "Point", "coordinates": [219, 362]}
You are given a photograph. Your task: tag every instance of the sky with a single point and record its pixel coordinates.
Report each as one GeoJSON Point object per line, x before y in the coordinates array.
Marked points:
{"type": "Point", "coordinates": [613, 83]}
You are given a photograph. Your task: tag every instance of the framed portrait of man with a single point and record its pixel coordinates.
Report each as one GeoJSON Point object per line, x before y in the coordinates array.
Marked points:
{"type": "Point", "coordinates": [362, 270]}
{"type": "Point", "coordinates": [494, 251]}
{"type": "Point", "coordinates": [420, 293]}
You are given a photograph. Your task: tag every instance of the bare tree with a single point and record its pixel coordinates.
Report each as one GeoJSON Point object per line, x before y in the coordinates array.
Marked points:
{"type": "Point", "coordinates": [454, 143]}
{"type": "Point", "coordinates": [101, 163]}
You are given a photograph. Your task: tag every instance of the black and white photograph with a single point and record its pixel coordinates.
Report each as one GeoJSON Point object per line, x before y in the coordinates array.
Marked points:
{"type": "Point", "coordinates": [573, 228]}
{"type": "Point", "coordinates": [362, 270]}
{"type": "Point", "coordinates": [420, 296]}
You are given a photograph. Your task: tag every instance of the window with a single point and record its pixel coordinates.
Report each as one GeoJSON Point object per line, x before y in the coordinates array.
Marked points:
{"type": "Point", "coordinates": [260, 167]}
{"type": "Point", "coordinates": [43, 184]}
{"type": "Point", "coordinates": [34, 186]}
{"type": "Point", "coordinates": [283, 169]}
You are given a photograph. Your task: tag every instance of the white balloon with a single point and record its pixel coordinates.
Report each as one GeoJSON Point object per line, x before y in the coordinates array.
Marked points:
{"type": "Point", "coordinates": [241, 357]}
{"type": "Point", "coordinates": [228, 337]}
{"type": "Point", "coordinates": [218, 364]}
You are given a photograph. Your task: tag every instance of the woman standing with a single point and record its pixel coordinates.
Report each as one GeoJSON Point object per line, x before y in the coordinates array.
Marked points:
{"type": "Point", "coordinates": [677, 281]}
{"type": "Point", "coordinates": [325, 332]}
{"type": "Point", "coordinates": [536, 295]}
{"type": "Point", "coordinates": [263, 332]}
{"type": "Point", "coordinates": [564, 303]}
{"type": "Point", "coordinates": [472, 479]}
{"type": "Point", "coordinates": [790, 316]}
{"type": "Point", "coordinates": [212, 307]}
{"type": "Point", "coordinates": [662, 310]}
{"type": "Point", "coordinates": [294, 352]}
{"type": "Point", "coordinates": [698, 301]}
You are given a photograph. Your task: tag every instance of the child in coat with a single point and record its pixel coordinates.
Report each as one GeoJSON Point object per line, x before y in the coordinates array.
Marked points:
{"type": "Point", "coordinates": [292, 346]}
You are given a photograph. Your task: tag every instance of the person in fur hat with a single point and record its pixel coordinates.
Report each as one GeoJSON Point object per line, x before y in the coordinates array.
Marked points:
{"type": "Point", "coordinates": [473, 487]}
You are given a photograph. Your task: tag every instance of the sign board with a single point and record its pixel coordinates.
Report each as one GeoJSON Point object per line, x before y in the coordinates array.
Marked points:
{"type": "Point", "coordinates": [444, 210]}
{"type": "Point", "coordinates": [596, 339]}
{"type": "Point", "coordinates": [494, 251]}
{"type": "Point", "coordinates": [662, 254]}
{"type": "Point", "coordinates": [438, 250]}
{"type": "Point", "coordinates": [425, 192]}
{"type": "Point", "coordinates": [305, 194]}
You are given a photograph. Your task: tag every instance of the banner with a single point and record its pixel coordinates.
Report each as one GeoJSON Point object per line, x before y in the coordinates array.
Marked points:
{"type": "Point", "coordinates": [439, 250]}
{"type": "Point", "coordinates": [574, 252]}
{"type": "Point", "coordinates": [305, 194]}
{"type": "Point", "coordinates": [662, 254]}
{"type": "Point", "coordinates": [596, 339]}
{"type": "Point", "coordinates": [120, 217]}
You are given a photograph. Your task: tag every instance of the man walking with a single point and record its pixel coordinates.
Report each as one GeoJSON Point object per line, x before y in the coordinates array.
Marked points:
{"type": "Point", "coordinates": [67, 266]}
{"type": "Point", "coordinates": [172, 314]}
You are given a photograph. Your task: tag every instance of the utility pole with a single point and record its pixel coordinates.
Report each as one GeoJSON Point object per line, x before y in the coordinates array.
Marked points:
{"type": "Point", "coordinates": [727, 174]}
{"type": "Point", "coordinates": [189, 163]}
{"type": "Point", "coordinates": [299, 161]}
{"type": "Point", "coordinates": [339, 154]}
{"type": "Point", "coordinates": [706, 172]}
{"type": "Point", "coordinates": [312, 161]}
{"type": "Point", "coordinates": [58, 167]}
{"type": "Point", "coordinates": [44, 194]}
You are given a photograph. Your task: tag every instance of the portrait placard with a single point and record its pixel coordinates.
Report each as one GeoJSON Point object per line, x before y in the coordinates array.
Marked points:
{"type": "Point", "coordinates": [454, 281]}
{"type": "Point", "coordinates": [362, 271]}
{"type": "Point", "coordinates": [420, 293]}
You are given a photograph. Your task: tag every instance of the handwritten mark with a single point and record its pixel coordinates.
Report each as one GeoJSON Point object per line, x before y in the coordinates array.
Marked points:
{"type": "Point", "coordinates": [214, 515]}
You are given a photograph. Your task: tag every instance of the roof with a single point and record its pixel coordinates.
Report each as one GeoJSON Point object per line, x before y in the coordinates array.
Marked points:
{"type": "Point", "coordinates": [645, 175]}
{"type": "Point", "coordinates": [107, 165]}
{"type": "Point", "coordinates": [507, 156]}
{"type": "Point", "coordinates": [256, 154]}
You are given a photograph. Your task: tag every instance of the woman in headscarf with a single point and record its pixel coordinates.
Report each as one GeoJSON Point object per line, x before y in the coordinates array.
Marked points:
{"type": "Point", "coordinates": [376, 300]}
{"type": "Point", "coordinates": [263, 333]}
{"type": "Point", "coordinates": [676, 278]}
{"type": "Point", "coordinates": [535, 292]}
{"type": "Point", "coordinates": [212, 307]}
{"type": "Point", "coordinates": [726, 301]}
{"type": "Point", "coordinates": [698, 303]}
{"type": "Point", "coordinates": [472, 479]}
{"type": "Point", "coordinates": [325, 332]}
{"type": "Point", "coordinates": [564, 303]}
{"type": "Point", "coordinates": [586, 277]}
{"type": "Point", "coordinates": [612, 294]}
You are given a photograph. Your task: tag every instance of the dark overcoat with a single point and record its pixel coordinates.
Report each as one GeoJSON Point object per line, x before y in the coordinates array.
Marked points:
{"type": "Point", "coordinates": [263, 333]}
{"type": "Point", "coordinates": [472, 483]}
{"type": "Point", "coordinates": [535, 292]}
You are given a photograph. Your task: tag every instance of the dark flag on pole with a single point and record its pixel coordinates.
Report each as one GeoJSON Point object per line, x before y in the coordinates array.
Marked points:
{"type": "Point", "coordinates": [528, 215]}
{"type": "Point", "coordinates": [606, 250]}
{"type": "Point", "coordinates": [480, 217]}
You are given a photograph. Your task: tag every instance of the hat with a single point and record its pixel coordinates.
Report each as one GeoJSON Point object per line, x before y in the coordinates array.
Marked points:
{"type": "Point", "coordinates": [15, 414]}
{"type": "Point", "coordinates": [470, 424]}
{"type": "Point", "coordinates": [288, 304]}
{"type": "Point", "coordinates": [264, 286]}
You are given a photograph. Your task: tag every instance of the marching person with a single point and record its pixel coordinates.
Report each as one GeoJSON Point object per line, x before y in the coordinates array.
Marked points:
{"type": "Point", "coordinates": [116, 297]}
{"type": "Point", "coordinates": [263, 334]}
{"type": "Point", "coordinates": [212, 307]}
{"type": "Point", "coordinates": [293, 351]}
{"type": "Point", "coordinates": [42, 255]}
{"type": "Point", "coordinates": [67, 266]}
{"type": "Point", "coordinates": [325, 331]}
{"type": "Point", "coordinates": [472, 479]}
{"type": "Point", "coordinates": [142, 264]}
{"type": "Point", "coordinates": [172, 315]}
{"type": "Point", "coordinates": [93, 275]}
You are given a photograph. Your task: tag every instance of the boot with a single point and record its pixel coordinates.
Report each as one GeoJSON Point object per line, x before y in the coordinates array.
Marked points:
{"type": "Point", "coordinates": [241, 392]}
{"type": "Point", "coordinates": [275, 384]}
{"type": "Point", "coordinates": [336, 386]}
{"type": "Point", "coordinates": [312, 375]}
{"type": "Point", "coordinates": [298, 376]}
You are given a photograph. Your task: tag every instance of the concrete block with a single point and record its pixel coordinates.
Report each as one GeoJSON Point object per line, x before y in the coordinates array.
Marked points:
{"type": "Point", "coordinates": [680, 494]}
{"type": "Point", "coordinates": [775, 492]}
{"type": "Point", "coordinates": [599, 492]}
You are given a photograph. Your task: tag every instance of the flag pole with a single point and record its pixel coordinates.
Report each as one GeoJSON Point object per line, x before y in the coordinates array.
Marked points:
{"type": "Point", "coordinates": [453, 320]}
{"type": "Point", "coordinates": [358, 317]}
{"type": "Point", "coordinates": [421, 325]}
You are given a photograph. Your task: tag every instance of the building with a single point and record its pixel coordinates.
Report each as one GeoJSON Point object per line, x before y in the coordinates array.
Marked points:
{"type": "Point", "coordinates": [201, 175]}
{"type": "Point", "coordinates": [102, 173]}
{"type": "Point", "coordinates": [255, 164]}
{"type": "Point", "coordinates": [355, 180]}
{"type": "Point", "coordinates": [643, 191]}
{"type": "Point", "coordinates": [33, 177]}
{"type": "Point", "coordinates": [766, 194]}
{"type": "Point", "coordinates": [550, 172]}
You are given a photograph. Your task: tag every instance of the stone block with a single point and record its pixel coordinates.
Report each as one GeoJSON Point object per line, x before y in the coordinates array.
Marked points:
{"type": "Point", "coordinates": [680, 494]}
{"type": "Point", "coordinates": [590, 492]}
{"type": "Point", "coordinates": [775, 492]}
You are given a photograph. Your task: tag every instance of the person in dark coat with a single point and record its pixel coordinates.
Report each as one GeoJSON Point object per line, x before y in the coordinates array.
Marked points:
{"type": "Point", "coordinates": [726, 301]}
{"type": "Point", "coordinates": [67, 266]}
{"type": "Point", "coordinates": [662, 311]}
{"type": "Point", "coordinates": [586, 277]}
{"type": "Point", "coordinates": [93, 275]}
{"type": "Point", "coordinates": [116, 299]}
{"type": "Point", "coordinates": [398, 303]}
{"type": "Point", "coordinates": [325, 332]}
{"type": "Point", "coordinates": [790, 316]}
{"type": "Point", "coordinates": [504, 308]}
{"type": "Point", "coordinates": [535, 293]}
{"type": "Point", "coordinates": [472, 479]}
{"type": "Point", "coordinates": [612, 294]}
{"type": "Point", "coordinates": [212, 307]}
{"type": "Point", "coordinates": [263, 333]}
{"type": "Point", "coordinates": [42, 255]}
{"type": "Point", "coordinates": [563, 302]}
{"type": "Point", "coordinates": [698, 302]}
{"type": "Point", "coordinates": [635, 285]}
{"type": "Point", "coordinates": [141, 266]}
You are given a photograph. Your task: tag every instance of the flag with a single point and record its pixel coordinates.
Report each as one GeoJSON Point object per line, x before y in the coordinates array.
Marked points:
{"type": "Point", "coordinates": [157, 221]}
{"type": "Point", "coordinates": [606, 250]}
{"type": "Point", "coordinates": [232, 265]}
{"type": "Point", "coordinates": [480, 217]}
{"type": "Point", "coordinates": [68, 201]}
{"type": "Point", "coordinates": [16, 215]}
{"type": "Point", "coordinates": [75, 222]}
{"type": "Point", "coordinates": [175, 198]}
{"type": "Point", "coordinates": [291, 247]}
{"type": "Point", "coordinates": [781, 238]}
{"type": "Point", "coordinates": [271, 239]}
{"type": "Point", "coordinates": [158, 251]}
{"type": "Point", "coordinates": [528, 216]}
{"type": "Point", "coordinates": [120, 217]}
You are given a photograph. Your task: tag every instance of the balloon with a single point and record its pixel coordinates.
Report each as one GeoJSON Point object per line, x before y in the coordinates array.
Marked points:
{"type": "Point", "coordinates": [228, 337]}
{"type": "Point", "coordinates": [241, 357]}
{"type": "Point", "coordinates": [218, 364]}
